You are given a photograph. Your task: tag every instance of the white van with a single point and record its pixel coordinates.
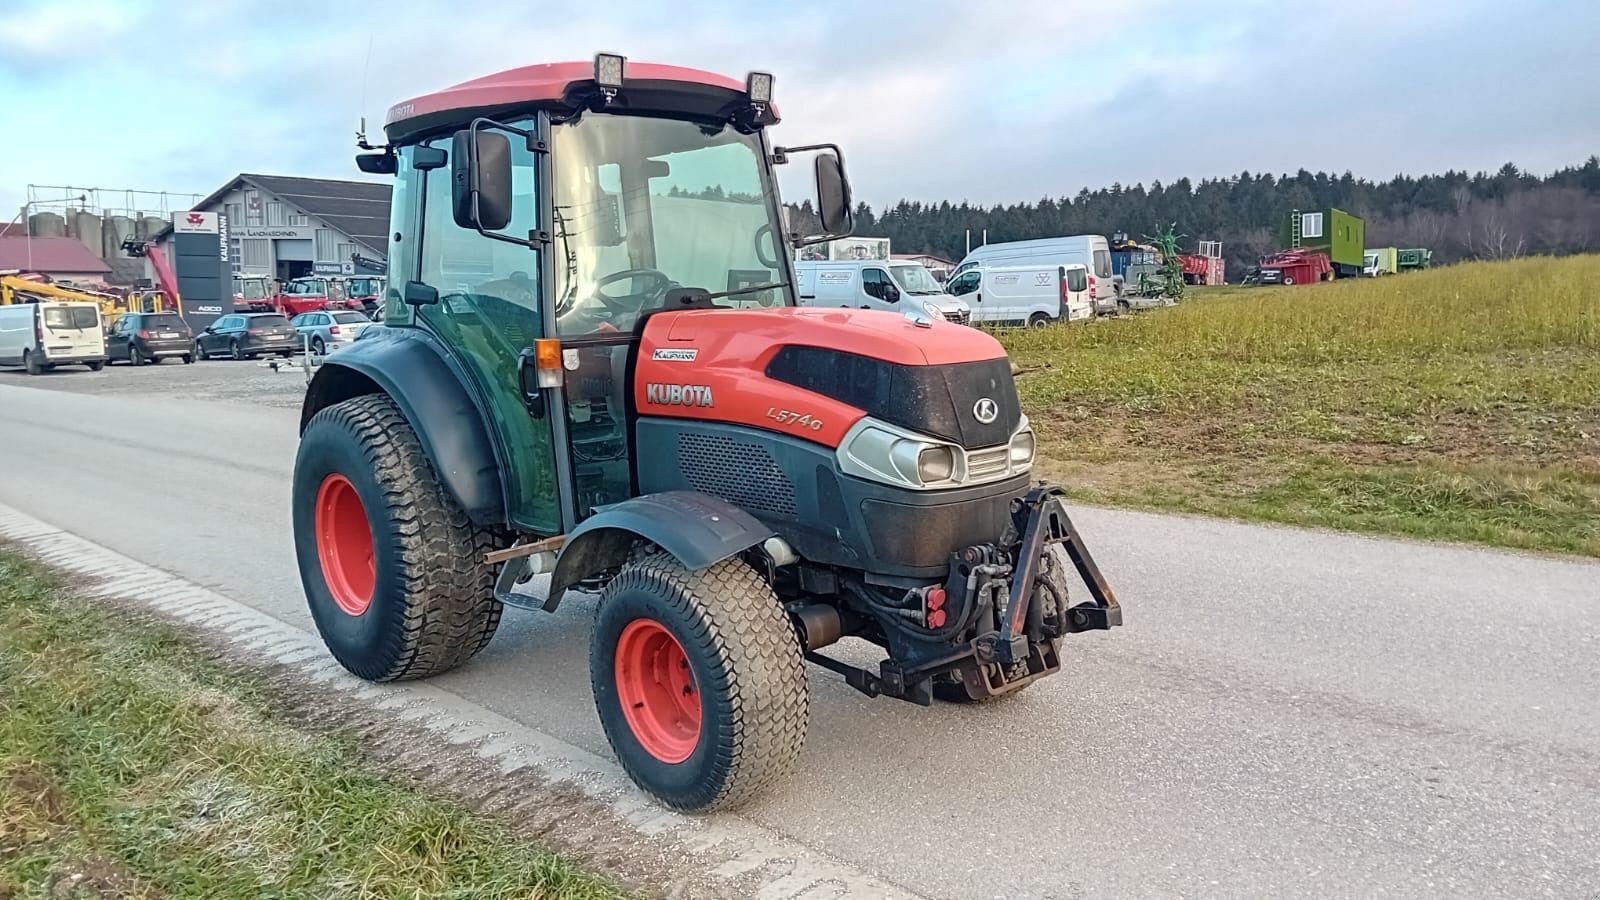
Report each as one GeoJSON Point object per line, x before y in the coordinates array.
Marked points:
{"type": "Point", "coordinates": [1025, 295]}
{"type": "Point", "coordinates": [894, 285]}
{"type": "Point", "coordinates": [41, 336]}
{"type": "Point", "coordinates": [1091, 251]}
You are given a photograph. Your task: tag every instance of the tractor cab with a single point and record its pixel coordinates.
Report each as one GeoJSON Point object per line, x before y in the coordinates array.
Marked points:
{"type": "Point", "coordinates": [592, 376]}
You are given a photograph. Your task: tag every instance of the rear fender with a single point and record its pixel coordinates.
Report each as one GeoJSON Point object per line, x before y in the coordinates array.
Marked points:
{"type": "Point", "coordinates": [697, 529]}
{"type": "Point", "coordinates": [433, 395]}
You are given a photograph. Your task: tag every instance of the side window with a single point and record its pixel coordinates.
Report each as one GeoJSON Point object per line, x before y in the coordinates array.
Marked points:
{"type": "Point", "coordinates": [1102, 264]}
{"type": "Point", "coordinates": [965, 283]}
{"type": "Point", "coordinates": [481, 281]}
{"type": "Point", "coordinates": [874, 283]}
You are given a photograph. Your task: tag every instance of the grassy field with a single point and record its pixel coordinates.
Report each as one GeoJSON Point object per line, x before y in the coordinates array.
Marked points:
{"type": "Point", "coordinates": [129, 768]}
{"type": "Point", "coordinates": [1461, 403]}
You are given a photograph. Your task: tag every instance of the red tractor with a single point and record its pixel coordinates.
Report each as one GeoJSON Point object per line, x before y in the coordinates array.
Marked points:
{"type": "Point", "coordinates": [311, 294]}
{"type": "Point", "coordinates": [599, 383]}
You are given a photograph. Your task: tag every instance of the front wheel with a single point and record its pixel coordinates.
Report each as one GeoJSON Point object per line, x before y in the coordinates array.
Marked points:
{"type": "Point", "coordinates": [699, 681]}
{"type": "Point", "coordinates": [234, 351]}
{"type": "Point", "coordinates": [318, 347]}
{"type": "Point", "coordinates": [200, 351]}
{"type": "Point", "coordinates": [392, 567]}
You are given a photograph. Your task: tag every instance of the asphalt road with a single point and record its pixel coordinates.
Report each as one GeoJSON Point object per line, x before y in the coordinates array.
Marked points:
{"type": "Point", "coordinates": [1286, 712]}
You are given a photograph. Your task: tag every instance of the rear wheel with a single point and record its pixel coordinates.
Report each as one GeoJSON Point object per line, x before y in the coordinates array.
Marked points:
{"type": "Point", "coordinates": [97, 365]}
{"type": "Point", "coordinates": [392, 567]}
{"type": "Point", "coordinates": [188, 358]}
{"type": "Point", "coordinates": [699, 681]}
{"type": "Point", "coordinates": [135, 357]}
{"type": "Point", "coordinates": [1038, 320]}
{"type": "Point", "coordinates": [30, 362]}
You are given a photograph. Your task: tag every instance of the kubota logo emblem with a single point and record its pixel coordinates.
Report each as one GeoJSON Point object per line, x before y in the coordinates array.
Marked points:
{"type": "Point", "coordinates": [986, 410]}
{"type": "Point", "coordinates": [678, 394]}
{"type": "Point", "coordinates": [197, 218]}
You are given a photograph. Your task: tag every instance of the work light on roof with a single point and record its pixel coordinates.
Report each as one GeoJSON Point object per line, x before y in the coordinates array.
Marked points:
{"type": "Point", "coordinates": [608, 70]}
{"type": "Point", "coordinates": [759, 86]}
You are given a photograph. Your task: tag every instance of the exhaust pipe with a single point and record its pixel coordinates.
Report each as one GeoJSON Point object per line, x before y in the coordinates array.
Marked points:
{"type": "Point", "coordinates": [817, 624]}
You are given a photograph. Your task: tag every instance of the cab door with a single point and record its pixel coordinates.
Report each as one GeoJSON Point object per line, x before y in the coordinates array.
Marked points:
{"type": "Point", "coordinates": [487, 314]}
{"type": "Point", "coordinates": [968, 286]}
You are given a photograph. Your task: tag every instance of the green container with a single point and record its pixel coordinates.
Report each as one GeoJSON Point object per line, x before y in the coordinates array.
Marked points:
{"type": "Point", "coordinates": [1416, 258]}
{"type": "Point", "coordinates": [1335, 232]}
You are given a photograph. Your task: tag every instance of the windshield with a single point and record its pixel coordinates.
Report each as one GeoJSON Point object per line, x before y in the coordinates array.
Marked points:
{"type": "Point", "coordinates": [645, 205]}
{"type": "Point", "coordinates": [364, 287]}
{"type": "Point", "coordinates": [71, 317]}
{"type": "Point", "coordinates": [915, 280]}
{"type": "Point", "coordinates": [253, 289]}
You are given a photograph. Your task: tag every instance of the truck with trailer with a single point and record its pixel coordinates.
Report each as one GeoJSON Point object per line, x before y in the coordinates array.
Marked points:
{"type": "Point", "coordinates": [557, 405]}
{"type": "Point", "coordinates": [1334, 232]}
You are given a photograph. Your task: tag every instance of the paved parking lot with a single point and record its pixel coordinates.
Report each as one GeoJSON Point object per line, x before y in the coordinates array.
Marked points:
{"type": "Point", "coordinates": [254, 382]}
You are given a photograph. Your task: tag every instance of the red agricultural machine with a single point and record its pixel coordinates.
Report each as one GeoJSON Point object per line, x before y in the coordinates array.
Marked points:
{"type": "Point", "coordinates": [599, 383]}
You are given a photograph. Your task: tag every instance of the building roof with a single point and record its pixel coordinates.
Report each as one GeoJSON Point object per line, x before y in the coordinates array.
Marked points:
{"type": "Point", "coordinates": [360, 209]}
{"type": "Point", "coordinates": [50, 255]}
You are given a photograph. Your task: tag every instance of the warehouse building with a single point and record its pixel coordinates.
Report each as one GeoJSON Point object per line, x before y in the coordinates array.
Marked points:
{"type": "Point", "coordinates": [286, 227]}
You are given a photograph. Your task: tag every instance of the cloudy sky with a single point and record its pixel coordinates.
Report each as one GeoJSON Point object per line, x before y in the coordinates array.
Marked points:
{"type": "Point", "coordinates": [991, 102]}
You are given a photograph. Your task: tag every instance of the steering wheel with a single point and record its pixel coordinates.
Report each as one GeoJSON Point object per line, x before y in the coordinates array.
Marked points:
{"type": "Point", "coordinates": [658, 283]}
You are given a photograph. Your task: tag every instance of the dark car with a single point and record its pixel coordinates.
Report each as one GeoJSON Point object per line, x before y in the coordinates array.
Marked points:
{"type": "Point", "coordinates": [141, 337]}
{"type": "Point", "coordinates": [247, 336]}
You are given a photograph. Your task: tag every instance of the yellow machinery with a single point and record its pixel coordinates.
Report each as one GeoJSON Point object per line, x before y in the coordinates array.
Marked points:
{"type": "Point", "coordinates": [21, 289]}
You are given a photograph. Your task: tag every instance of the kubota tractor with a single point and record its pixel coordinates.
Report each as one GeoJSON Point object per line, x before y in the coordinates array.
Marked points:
{"type": "Point", "coordinates": [592, 378]}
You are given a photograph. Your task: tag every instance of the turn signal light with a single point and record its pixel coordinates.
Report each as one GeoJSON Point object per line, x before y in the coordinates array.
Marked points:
{"type": "Point", "coordinates": [547, 359]}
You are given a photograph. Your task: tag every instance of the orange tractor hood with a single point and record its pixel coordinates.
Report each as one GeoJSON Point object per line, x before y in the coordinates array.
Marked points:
{"type": "Point", "coordinates": [712, 365]}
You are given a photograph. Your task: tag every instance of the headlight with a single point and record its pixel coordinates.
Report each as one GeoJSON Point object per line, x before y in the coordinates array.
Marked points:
{"type": "Point", "coordinates": [932, 310]}
{"type": "Point", "coordinates": [936, 464]}
{"type": "Point", "coordinates": [1022, 448]}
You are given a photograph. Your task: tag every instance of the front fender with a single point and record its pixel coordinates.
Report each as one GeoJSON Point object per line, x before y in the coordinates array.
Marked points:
{"type": "Point", "coordinates": [699, 530]}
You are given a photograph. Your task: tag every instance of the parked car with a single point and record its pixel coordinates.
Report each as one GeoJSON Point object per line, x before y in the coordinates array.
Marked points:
{"type": "Point", "coordinates": [141, 337]}
{"type": "Point", "coordinates": [891, 285]}
{"type": "Point", "coordinates": [330, 329]}
{"type": "Point", "coordinates": [1033, 295]}
{"type": "Point", "coordinates": [247, 336]}
{"type": "Point", "coordinates": [41, 336]}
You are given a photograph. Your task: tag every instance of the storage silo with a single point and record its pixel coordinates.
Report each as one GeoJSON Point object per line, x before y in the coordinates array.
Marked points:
{"type": "Point", "coordinates": [117, 230]}
{"type": "Point", "coordinates": [47, 224]}
{"type": "Point", "coordinates": [87, 229]}
{"type": "Point", "coordinates": [150, 226]}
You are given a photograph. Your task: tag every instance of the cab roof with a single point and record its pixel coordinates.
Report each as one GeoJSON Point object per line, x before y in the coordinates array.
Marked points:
{"type": "Point", "coordinates": [646, 87]}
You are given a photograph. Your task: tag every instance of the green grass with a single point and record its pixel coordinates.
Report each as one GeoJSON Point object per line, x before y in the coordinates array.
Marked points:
{"type": "Point", "coordinates": [129, 767]}
{"type": "Point", "coordinates": [1461, 403]}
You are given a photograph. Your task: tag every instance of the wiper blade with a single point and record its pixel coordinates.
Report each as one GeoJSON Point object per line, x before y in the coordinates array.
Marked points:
{"type": "Point", "coordinates": [754, 288]}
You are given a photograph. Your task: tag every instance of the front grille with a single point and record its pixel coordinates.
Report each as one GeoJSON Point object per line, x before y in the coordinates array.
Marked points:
{"type": "Point", "coordinates": [958, 316]}
{"type": "Point", "coordinates": [988, 463]}
{"type": "Point", "coordinates": [741, 472]}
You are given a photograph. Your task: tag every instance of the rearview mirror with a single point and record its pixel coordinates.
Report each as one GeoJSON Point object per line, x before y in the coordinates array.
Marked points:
{"type": "Point", "coordinates": [480, 179]}
{"type": "Point", "coordinates": [833, 195]}
{"type": "Point", "coordinates": [419, 294]}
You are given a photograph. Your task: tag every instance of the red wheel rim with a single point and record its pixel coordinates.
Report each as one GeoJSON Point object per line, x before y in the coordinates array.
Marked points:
{"type": "Point", "coordinates": [344, 544]}
{"type": "Point", "coordinates": [656, 687]}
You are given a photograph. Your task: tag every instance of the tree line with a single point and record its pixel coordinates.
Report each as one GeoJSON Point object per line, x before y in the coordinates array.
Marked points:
{"type": "Point", "coordinates": [1458, 216]}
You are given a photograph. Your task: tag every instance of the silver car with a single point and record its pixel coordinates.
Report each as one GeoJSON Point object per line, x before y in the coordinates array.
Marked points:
{"type": "Point", "coordinates": [328, 330]}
